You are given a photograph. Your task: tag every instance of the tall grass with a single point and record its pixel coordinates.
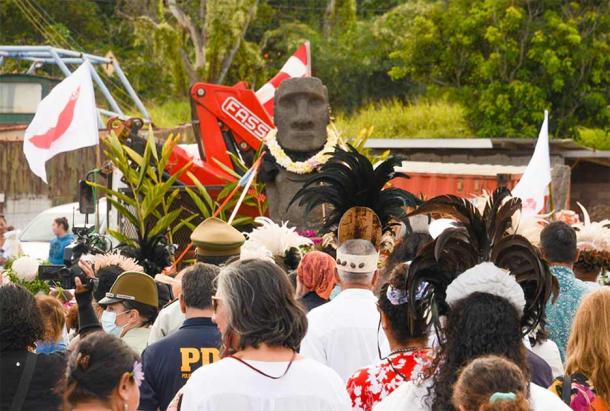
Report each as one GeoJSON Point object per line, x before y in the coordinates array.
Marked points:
{"type": "Point", "coordinates": [171, 113]}
{"type": "Point", "coordinates": [394, 119]}
{"type": "Point", "coordinates": [389, 119]}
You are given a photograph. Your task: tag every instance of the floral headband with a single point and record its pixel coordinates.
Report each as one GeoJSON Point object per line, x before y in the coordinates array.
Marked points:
{"type": "Point", "coordinates": [397, 296]}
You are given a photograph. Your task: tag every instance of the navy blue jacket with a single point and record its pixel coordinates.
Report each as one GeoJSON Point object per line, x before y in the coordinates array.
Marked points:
{"type": "Point", "coordinates": [169, 363]}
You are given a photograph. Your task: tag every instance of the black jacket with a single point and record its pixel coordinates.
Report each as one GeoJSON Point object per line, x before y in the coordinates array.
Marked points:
{"type": "Point", "coordinates": [42, 393]}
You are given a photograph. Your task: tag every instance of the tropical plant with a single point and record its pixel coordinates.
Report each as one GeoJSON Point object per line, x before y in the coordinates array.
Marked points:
{"type": "Point", "coordinates": [149, 203]}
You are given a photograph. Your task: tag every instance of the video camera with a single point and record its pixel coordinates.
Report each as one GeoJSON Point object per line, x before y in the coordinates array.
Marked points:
{"type": "Point", "coordinates": [85, 244]}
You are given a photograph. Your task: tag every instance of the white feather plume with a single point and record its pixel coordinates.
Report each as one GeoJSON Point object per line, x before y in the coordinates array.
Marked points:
{"type": "Point", "coordinates": [592, 235]}
{"type": "Point", "coordinates": [273, 237]}
{"type": "Point", "coordinates": [528, 226]}
{"type": "Point", "coordinates": [114, 258]}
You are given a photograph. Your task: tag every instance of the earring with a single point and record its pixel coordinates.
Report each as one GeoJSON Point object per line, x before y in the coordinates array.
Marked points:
{"type": "Point", "coordinates": [125, 406]}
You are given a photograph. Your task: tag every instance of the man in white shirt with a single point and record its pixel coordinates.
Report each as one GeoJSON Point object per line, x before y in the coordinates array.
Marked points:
{"type": "Point", "coordinates": [344, 333]}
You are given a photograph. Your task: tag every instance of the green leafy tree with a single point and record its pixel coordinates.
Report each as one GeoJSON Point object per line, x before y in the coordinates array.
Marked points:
{"type": "Point", "coordinates": [199, 40]}
{"type": "Point", "coordinates": [509, 60]}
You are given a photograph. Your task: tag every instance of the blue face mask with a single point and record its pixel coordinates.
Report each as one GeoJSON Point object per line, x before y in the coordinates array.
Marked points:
{"type": "Point", "coordinates": [109, 323]}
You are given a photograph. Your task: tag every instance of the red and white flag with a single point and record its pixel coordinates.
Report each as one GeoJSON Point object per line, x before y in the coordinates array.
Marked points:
{"type": "Point", "coordinates": [298, 65]}
{"type": "Point", "coordinates": [65, 120]}
{"type": "Point", "coordinates": [533, 185]}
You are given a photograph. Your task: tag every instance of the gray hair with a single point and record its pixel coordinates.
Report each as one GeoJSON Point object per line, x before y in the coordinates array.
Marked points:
{"type": "Point", "coordinates": [356, 247]}
{"type": "Point", "coordinates": [261, 305]}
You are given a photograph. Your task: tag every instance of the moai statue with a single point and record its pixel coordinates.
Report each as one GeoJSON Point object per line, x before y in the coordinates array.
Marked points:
{"type": "Point", "coordinates": [301, 117]}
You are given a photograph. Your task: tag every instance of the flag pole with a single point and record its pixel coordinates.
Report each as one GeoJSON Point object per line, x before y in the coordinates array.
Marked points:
{"type": "Point", "coordinates": [551, 197]}
{"type": "Point", "coordinates": [245, 190]}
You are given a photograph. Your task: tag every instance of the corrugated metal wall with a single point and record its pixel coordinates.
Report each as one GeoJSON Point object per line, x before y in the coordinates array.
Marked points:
{"type": "Point", "coordinates": [25, 195]}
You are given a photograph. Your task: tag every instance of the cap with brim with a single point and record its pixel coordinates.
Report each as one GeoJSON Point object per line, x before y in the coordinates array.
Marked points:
{"type": "Point", "coordinates": [214, 237]}
{"type": "Point", "coordinates": [132, 286]}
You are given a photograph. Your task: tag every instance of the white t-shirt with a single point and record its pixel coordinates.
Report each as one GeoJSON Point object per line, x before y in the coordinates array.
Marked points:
{"type": "Point", "coordinates": [549, 352]}
{"type": "Point", "coordinates": [412, 397]}
{"type": "Point", "coordinates": [343, 333]}
{"type": "Point", "coordinates": [229, 385]}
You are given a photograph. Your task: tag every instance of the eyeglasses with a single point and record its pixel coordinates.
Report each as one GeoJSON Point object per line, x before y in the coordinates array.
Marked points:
{"type": "Point", "coordinates": [215, 301]}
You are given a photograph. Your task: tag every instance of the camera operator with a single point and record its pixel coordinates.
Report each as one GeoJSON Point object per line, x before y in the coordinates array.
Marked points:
{"type": "Point", "coordinates": [62, 238]}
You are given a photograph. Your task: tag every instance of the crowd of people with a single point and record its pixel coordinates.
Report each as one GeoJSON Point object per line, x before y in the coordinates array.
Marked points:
{"type": "Point", "coordinates": [475, 317]}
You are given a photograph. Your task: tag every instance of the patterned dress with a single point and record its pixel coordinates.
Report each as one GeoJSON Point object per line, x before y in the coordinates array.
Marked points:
{"type": "Point", "coordinates": [369, 385]}
{"type": "Point", "coordinates": [559, 316]}
{"type": "Point", "coordinates": [583, 396]}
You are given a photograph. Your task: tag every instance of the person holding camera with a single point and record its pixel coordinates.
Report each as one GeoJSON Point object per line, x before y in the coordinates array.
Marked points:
{"type": "Point", "coordinates": [62, 238]}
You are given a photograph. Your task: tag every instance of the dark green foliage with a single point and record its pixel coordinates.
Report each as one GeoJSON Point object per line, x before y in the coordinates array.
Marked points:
{"type": "Point", "coordinates": [504, 61]}
{"type": "Point", "coordinates": [510, 60]}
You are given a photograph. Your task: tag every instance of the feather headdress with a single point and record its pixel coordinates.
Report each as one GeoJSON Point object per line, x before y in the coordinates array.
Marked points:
{"type": "Point", "coordinates": [593, 242]}
{"type": "Point", "coordinates": [114, 258]}
{"type": "Point", "coordinates": [480, 236]}
{"type": "Point", "coordinates": [348, 179]}
{"type": "Point", "coordinates": [528, 226]}
{"type": "Point", "coordinates": [271, 240]}
{"type": "Point", "coordinates": [592, 235]}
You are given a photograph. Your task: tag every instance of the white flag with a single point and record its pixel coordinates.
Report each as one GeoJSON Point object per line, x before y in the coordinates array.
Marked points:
{"type": "Point", "coordinates": [298, 65]}
{"type": "Point", "coordinates": [532, 187]}
{"type": "Point", "coordinates": [65, 120]}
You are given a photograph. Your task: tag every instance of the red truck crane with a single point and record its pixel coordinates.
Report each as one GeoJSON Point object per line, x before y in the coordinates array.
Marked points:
{"type": "Point", "coordinates": [225, 119]}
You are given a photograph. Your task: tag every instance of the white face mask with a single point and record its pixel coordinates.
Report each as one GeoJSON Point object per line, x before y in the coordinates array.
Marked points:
{"type": "Point", "coordinates": [109, 322]}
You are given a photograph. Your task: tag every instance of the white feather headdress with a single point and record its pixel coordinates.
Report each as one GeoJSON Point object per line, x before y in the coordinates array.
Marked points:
{"type": "Point", "coordinates": [114, 258]}
{"type": "Point", "coordinates": [528, 226]}
{"type": "Point", "coordinates": [271, 240]}
{"type": "Point", "coordinates": [590, 235]}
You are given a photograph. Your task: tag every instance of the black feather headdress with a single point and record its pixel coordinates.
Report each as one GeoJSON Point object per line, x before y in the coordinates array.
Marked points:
{"type": "Point", "coordinates": [476, 238]}
{"type": "Point", "coordinates": [348, 179]}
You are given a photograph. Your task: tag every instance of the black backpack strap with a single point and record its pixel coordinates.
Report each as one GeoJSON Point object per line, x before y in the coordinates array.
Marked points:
{"type": "Point", "coordinates": [24, 382]}
{"type": "Point", "coordinates": [566, 392]}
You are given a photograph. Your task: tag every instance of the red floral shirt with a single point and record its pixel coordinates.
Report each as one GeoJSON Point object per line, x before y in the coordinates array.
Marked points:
{"type": "Point", "coordinates": [370, 385]}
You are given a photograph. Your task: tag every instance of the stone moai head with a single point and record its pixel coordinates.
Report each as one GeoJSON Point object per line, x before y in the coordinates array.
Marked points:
{"type": "Point", "coordinates": [301, 114]}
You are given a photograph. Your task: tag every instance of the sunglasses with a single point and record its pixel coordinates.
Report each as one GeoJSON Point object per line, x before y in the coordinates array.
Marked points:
{"type": "Point", "coordinates": [215, 301]}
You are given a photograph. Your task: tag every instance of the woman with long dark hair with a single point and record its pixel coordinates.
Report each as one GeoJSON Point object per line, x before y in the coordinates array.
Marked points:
{"type": "Point", "coordinates": [491, 286]}
{"type": "Point", "coordinates": [370, 385]}
{"type": "Point", "coordinates": [262, 326]}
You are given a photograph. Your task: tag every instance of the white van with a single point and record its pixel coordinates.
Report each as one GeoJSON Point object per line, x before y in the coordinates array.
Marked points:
{"type": "Point", "coordinates": [36, 236]}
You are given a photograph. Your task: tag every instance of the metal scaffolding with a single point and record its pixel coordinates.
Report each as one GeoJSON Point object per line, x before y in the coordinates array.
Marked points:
{"type": "Point", "coordinates": [40, 55]}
